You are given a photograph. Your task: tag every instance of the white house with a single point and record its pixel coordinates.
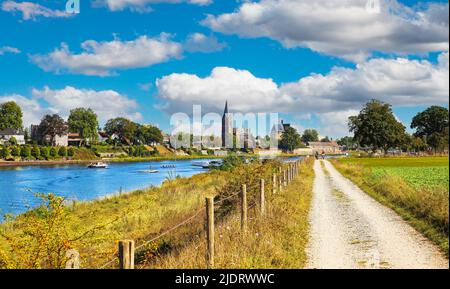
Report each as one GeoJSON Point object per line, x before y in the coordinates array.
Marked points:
{"type": "Point", "coordinates": [9, 133]}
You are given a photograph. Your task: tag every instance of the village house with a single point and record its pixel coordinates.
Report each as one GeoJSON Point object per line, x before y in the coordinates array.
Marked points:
{"type": "Point", "coordinates": [9, 133]}
{"type": "Point", "coordinates": [325, 147]}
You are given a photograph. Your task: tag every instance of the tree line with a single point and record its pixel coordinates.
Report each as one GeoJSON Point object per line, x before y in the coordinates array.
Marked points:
{"type": "Point", "coordinates": [84, 122]}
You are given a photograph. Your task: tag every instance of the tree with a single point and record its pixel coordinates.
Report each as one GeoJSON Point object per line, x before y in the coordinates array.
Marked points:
{"type": "Point", "coordinates": [431, 124]}
{"type": "Point", "coordinates": [10, 116]}
{"type": "Point", "coordinates": [310, 135]}
{"type": "Point", "coordinates": [325, 139]}
{"type": "Point", "coordinates": [148, 134]}
{"type": "Point", "coordinates": [84, 122]}
{"type": "Point", "coordinates": [290, 140]}
{"type": "Point", "coordinates": [125, 129]}
{"type": "Point", "coordinates": [45, 152]}
{"type": "Point", "coordinates": [377, 127]}
{"type": "Point", "coordinates": [347, 141]}
{"type": "Point", "coordinates": [52, 125]}
{"type": "Point", "coordinates": [418, 144]}
{"type": "Point", "coordinates": [54, 152]}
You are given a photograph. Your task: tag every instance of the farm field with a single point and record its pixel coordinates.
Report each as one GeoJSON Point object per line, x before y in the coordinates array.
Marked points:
{"type": "Point", "coordinates": [420, 173]}
{"type": "Point", "coordinates": [416, 188]}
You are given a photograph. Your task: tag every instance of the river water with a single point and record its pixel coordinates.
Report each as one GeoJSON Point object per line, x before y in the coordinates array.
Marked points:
{"type": "Point", "coordinates": [19, 185]}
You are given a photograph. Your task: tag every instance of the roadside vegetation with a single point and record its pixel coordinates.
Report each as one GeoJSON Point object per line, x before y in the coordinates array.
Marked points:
{"type": "Point", "coordinates": [41, 237]}
{"type": "Point", "coordinates": [276, 241]}
{"type": "Point", "coordinates": [416, 188]}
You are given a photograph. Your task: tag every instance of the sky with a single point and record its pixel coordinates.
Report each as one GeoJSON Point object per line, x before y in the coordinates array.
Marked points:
{"type": "Point", "coordinates": [313, 62]}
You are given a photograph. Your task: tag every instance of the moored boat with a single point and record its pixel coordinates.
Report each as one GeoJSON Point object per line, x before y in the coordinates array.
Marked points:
{"type": "Point", "coordinates": [98, 165]}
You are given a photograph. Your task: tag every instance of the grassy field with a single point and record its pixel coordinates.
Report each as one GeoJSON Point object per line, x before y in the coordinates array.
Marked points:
{"type": "Point", "coordinates": [40, 238]}
{"type": "Point", "coordinates": [276, 241]}
{"type": "Point", "coordinates": [416, 188]}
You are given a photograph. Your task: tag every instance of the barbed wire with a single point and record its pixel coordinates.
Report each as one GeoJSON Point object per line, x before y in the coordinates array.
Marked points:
{"type": "Point", "coordinates": [197, 213]}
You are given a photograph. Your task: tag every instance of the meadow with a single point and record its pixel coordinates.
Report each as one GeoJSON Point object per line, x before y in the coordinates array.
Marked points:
{"type": "Point", "coordinates": [416, 188]}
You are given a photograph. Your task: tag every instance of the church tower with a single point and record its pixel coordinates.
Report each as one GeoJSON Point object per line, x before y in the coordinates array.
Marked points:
{"type": "Point", "coordinates": [227, 128]}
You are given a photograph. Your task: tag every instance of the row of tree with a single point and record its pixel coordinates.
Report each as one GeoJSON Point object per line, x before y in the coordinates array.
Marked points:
{"type": "Point", "coordinates": [83, 121]}
{"type": "Point", "coordinates": [377, 127]}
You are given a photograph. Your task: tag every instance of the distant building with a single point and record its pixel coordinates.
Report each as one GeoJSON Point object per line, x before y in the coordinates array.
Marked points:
{"type": "Point", "coordinates": [9, 133]}
{"type": "Point", "coordinates": [279, 129]}
{"type": "Point", "coordinates": [326, 147]}
{"type": "Point", "coordinates": [102, 136]}
{"type": "Point", "coordinates": [227, 128]}
{"type": "Point", "coordinates": [58, 141]}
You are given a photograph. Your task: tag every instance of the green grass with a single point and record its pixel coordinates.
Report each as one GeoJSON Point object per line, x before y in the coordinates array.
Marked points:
{"type": "Point", "coordinates": [399, 162]}
{"type": "Point", "coordinates": [418, 177]}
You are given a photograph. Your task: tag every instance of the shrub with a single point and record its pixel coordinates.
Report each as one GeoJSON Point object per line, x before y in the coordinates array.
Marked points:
{"type": "Point", "coordinates": [71, 152]}
{"type": "Point", "coordinates": [62, 152]}
{"type": "Point", "coordinates": [4, 152]}
{"type": "Point", "coordinates": [54, 152]}
{"type": "Point", "coordinates": [45, 152]}
{"type": "Point", "coordinates": [35, 152]}
{"type": "Point", "coordinates": [15, 151]}
{"type": "Point", "coordinates": [25, 152]}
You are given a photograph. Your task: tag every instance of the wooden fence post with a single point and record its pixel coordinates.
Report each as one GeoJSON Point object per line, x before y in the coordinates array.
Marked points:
{"type": "Point", "coordinates": [210, 232]}
{"type": "Point", "coordinates": [244, 208]}
{"type": "Point", "coordinates": [285, 178]}
{"type": "Point", "coordinates": [126, 254]}
{"type": "Point", "coordinates": [262, 199]}
{"type": "Point", "coordinates": [274, 184]}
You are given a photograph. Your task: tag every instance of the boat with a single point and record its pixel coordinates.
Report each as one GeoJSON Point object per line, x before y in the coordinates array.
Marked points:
{"type": "Point", "coordinates": [168, 166]}
{"type": "Point", "coordinates": [213, 164]}
{"type": "Point", "coordinates": [200, 164]}
{"type": "Point", "coordinates": [98, 165]}
{"type": "Point", "coordinates": [149, 171]}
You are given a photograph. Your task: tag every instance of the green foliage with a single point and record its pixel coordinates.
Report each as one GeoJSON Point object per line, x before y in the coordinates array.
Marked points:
{"type": "Point", "coordinates": [377, 127]}
{"type": "Point", "coordinates": [45, 152]}
{"type": "Point", "coordinates": [13, 141]}
{"type": "Point", "coordinates": [25, 152]}
{"type": "Point", "coordinates": [124, 128]}
{"type": "Point", "coordinates": [310, 135]}
{"type": "Point", "coordinates": [62, 152]}
{"type": "Point", "coordinates": [418, 177]}
{"type": "Point", "coordinates": [290, 140]}
{"type": "Point", "coordinates": [148, 134]}
{"type": "Point", "coordinates": [71, 152]}
{"type": "Point", "coordinates": [52, 125]}
{"type": "Point", "coordinates": [10, 116]}
{"type": "Point", "coordinates": [5, 152]}
{"type": "Point", "coordinates": [43, 240]}
{"type": "Point", "coordinates": [54, 152]}
{"type": "Point", "coordinates": [84, 122]}
{"type": "Point", "coordinates": [230, 162]}
{"type": "Point", "coordinates": [15, 151]}
{"type": "Point", "coordinates": [36, 152]}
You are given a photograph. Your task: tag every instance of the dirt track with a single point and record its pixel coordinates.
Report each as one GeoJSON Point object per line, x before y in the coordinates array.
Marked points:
{"type": "Point", "coordinates": [351, 230]}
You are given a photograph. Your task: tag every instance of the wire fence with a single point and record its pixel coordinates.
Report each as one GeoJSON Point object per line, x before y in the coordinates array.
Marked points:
{"type": "Point", "coordinates": [286, 174]}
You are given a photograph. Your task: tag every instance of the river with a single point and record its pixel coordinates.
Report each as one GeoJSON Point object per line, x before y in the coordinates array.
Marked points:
{"type": "Point", "coordinates": [19, 185]}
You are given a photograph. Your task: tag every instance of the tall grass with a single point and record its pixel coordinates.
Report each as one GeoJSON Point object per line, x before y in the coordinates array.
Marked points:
{"type": "Point", "coordinates": [276, 241]}
{"type": "Point", "coordinates": [426, 208]}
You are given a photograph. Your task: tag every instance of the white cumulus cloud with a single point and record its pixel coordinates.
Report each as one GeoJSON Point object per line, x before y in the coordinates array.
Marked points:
{"type": "Point", "coordinates": [144, 5]}
{"type": "Point", "coordinates": [198, 42]}
{"type": "Point", "coordinates": [104, 58]}
{"type": "Point", "coordinates": [336, 95]}
{"type": "Point", "coordinates": [9, 49]}
{"type": "Point", "coordinates": [31, 11]}
{"type": "Point", "coordinates": [343, 28]}
{"type": "Point", "coordinates": [107, 103]}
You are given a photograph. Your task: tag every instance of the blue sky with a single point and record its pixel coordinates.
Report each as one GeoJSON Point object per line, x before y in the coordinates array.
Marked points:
{"type": "Point", "coordinates": [267, 71]}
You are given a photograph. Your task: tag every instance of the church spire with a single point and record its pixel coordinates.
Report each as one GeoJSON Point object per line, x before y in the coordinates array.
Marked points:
{"type": "Point", "coordinates": [226, 107]}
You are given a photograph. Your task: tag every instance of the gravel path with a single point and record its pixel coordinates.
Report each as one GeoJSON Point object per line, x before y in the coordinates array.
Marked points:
{"type": "Point", "coordinates": [349, 229]}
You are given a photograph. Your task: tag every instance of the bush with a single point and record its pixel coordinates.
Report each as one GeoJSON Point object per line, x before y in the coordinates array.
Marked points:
{"type": "Point", "coordinates": [54, 152]}
{"type": "Point", "coordinates": [4, 152]}
{"type": "Point", "coordinates": [25, 152]}
{"type": "Point", "coordinates": [35, 152]}
{"type": "Point", "coordinates": [45, 152]}
{"type": "Point", "coordinates": [71, 152]}
{"type": "Point", "coordinates": [62, 152]}
{"type": "Point", "coordinates": [15, 151]}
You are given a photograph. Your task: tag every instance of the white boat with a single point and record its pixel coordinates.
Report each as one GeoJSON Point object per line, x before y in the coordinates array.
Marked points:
{"type": "Point", "coordinates": [98, 165]}
{"type": "Point", "coordinates": [149, 171]}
